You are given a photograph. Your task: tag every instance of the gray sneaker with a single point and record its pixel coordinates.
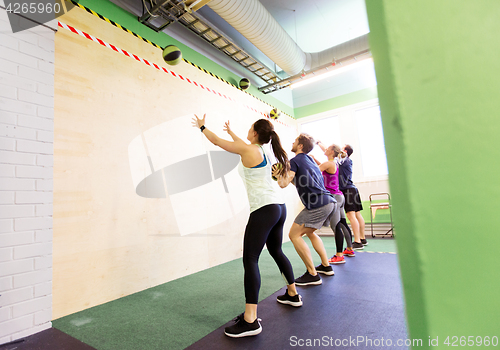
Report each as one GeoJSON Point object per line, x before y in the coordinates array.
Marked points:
{"type": "Point", "coordinates": [364, 241]}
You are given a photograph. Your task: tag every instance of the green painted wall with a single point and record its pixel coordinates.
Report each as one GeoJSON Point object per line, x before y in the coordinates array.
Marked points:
{"type": "Point", "coordinates": [437, 70]}
{"type": "Point", "coordinates": [336, 102]}
{"type": "Point", "coordinates": [129, 21]}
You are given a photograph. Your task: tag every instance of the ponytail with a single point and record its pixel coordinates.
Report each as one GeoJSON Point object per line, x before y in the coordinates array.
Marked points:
{"type": "Point", "coordinates": [279, 153]}
{"type": "Point", "coordinates": [338, 152]}
{"type": "Point", "coordinates": [265, 132]}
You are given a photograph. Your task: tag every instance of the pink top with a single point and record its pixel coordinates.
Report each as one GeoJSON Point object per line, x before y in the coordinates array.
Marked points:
{"type": "Point", "coordinates": [332, 182]}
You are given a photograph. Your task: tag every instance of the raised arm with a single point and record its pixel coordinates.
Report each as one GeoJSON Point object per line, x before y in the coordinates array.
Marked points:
{"type": "Point", "coordinates": [237, 146]}
{"type": "Point", "coordinates": [227, 128]}
{"type": "Point", "coordinates": [321, 145]}
{"type": "Point", "coordinates": [315, 160]}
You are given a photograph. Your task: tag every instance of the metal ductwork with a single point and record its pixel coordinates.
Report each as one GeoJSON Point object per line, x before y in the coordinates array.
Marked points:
{"type": "Point", "coordinates": [353, 47]}
{"type": "Point", "coordinates": [253, 21]}
{"type": "Point", "coordinates": [256, 24]}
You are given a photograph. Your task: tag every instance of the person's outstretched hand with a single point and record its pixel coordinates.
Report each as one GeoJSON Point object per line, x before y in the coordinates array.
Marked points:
{"type": "Point", "coordinates": [227, 128]}
{"type": "Point", "coordinates": [197, 122]}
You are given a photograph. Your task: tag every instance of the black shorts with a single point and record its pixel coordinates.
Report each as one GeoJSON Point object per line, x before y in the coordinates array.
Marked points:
{"type": "Point", "coordinates": [352, 200]}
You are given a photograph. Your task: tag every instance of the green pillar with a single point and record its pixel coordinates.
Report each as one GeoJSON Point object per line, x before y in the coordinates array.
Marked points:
{"type": "Point", "coordinates": [438, 72]}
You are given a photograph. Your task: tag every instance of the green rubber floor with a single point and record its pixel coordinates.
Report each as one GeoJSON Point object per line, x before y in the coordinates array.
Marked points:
{"type": "Point", "coordinates": [176, 314]}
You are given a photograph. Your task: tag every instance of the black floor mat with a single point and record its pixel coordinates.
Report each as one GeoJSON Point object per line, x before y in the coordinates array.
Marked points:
{"type": "Point", "coordinates": [50, 339]}
{"type": "Point", "coordinates": [361, 306]}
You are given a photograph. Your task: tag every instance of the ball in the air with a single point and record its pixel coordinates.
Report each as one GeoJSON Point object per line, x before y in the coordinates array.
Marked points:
{"type": "Point", "coordinates": [274, 114]}
{"type": "Point", "coordinates": [172, 55]}
{"type": "Point", "coordinates": [244, 83]}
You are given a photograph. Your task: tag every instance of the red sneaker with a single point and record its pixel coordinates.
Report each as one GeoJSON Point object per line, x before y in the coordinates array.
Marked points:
{"type": "Point", "coordinates": [337, 260]}
{"type": "Point", "coordinates": [349, 252]}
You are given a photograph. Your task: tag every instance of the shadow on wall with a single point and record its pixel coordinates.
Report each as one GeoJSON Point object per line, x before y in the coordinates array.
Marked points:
{"type": "Point", "coordinates": [202, 183]}
{"type": "Point", "coordinates": [188, 174]}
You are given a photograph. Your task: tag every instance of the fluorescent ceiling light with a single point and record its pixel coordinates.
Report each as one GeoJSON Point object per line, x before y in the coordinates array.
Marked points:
{"type": "Point", "coordinates": [341, 69]}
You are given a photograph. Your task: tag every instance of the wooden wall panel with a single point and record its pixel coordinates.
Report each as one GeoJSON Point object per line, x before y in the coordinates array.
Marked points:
{"type": "Point", "coordinates": [109, 241]}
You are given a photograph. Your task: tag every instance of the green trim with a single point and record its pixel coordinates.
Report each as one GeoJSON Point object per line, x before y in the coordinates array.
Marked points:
{"type": "Point", "coordinates": [115, 13]}
{"type": "Point", "coordinates": [336, 102]}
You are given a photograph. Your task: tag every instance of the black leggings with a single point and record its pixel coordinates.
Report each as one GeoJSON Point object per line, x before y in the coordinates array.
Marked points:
{"type": "Point", "coordinates": [265, 226]}
{"type": "Point", "coordinates": [342, 231]}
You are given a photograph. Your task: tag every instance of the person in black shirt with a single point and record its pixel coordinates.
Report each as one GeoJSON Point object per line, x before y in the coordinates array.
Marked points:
{"type": "Point", "coordinates": [353, 204]}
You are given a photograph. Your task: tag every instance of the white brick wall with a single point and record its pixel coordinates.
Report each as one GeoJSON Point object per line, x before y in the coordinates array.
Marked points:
{"type": "Point", "coordinates": [26, 179]}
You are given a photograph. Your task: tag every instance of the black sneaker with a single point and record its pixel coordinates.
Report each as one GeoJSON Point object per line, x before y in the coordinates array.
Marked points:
{"type": "Point", "coordinates": [364, 241]}
{"type": "Point", "coordinates": [308, 280]}
{"type": "Point", "coordinates": [327, 270]}
{"type": "Point", "coordinates": [242, 328]}
{"type": "Point", "coordinates": [296, 300]}
{"type": "Point", "coordinates": [357, 246]}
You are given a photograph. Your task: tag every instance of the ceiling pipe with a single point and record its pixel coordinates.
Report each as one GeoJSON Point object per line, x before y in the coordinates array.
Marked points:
{"type": "Point", "coordinates": [337, 53]}
{"type": "Point", "coordinates": [255, 23]}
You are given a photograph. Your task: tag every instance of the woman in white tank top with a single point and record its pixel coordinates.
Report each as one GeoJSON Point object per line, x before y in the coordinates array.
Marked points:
{"type": "Point", "coordinates": [267, 216]}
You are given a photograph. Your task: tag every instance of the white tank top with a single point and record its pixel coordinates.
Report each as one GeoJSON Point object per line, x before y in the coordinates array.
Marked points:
{"type": "Point", "coordinates": [261, 188]}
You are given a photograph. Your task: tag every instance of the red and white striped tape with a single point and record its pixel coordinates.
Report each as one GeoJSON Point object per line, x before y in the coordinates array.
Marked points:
{"type": "Point", "coordinates": [151, 64]}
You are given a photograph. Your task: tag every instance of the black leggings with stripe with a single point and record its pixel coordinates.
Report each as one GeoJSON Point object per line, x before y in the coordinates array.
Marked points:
{"type": "Point", "coordinates": [265, 226]}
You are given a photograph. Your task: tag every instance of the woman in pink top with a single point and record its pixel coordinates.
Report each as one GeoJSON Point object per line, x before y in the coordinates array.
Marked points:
{"type": "Point", "coordinates": [330, 173]}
